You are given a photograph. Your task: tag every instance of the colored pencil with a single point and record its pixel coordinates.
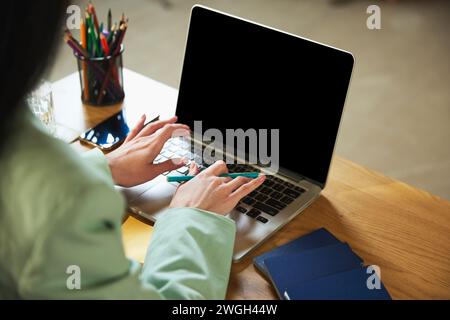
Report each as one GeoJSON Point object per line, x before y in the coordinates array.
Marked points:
{"type": "Point", "coordinates": [252, 175]}
{"type": "Point", "coordinates": [111, 34]}
{"type": "Point", "coordinates": [109, 20]}
{"type": "Point", "coordinates": [104, 44]}
{"type": "Point", "coordinates": [91, 10]}
{"type": "Point", "coordinates": [83, 36]}
{"type": "Point", "coordinates": [94, 34]}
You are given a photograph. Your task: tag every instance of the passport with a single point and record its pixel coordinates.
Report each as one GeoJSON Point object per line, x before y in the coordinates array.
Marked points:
{"type": "Point", "coordinates": [347, 285]}
{"type": "Point", "coordinates": [290, 271]}
{"type": "Point", "coordinates": [313, 240]}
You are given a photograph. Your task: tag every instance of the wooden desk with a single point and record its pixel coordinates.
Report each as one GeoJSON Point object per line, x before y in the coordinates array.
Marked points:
{"type": "Point", "coordinates": [403, 230]}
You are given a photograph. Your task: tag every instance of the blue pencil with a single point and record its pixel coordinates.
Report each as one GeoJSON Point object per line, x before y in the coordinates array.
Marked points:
{"type": "Point", "coordinates": [252, 175]}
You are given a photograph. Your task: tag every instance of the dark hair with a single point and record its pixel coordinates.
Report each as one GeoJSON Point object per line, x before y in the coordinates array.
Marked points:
{"type": "Point", "coordinates": [28, 35]}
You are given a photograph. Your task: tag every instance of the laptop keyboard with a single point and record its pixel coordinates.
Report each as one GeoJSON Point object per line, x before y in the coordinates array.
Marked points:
{"type": "Point", "coordinates": [270, 198]}
{"type": "Point", "coordinates": [273, 196]}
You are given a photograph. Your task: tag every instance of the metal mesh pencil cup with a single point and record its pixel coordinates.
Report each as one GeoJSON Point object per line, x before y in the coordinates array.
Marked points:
{"type": "Point", "coordinates": [101, 79]}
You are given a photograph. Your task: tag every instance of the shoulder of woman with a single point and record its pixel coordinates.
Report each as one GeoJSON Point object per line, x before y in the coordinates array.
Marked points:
{"type": "Point", "coordinates": [47, 172]}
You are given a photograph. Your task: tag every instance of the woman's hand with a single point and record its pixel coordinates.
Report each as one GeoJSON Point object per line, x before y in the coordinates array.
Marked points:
{"type": "Point", "coordinates": [132, 163]}
{"type": "Point", "coordinates": [210, 192]}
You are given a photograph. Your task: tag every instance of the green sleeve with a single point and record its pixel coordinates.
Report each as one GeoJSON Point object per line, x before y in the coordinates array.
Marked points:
{"type": "Point", "coordinates": [189, 256]}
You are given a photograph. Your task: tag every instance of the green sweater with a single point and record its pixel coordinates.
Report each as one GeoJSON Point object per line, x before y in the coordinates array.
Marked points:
{"type": "Point", "coordinates": [60, 218]}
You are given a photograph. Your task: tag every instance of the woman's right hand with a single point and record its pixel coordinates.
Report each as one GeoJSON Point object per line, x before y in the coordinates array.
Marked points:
{"type": "Point", "coordinates": [209, 191]}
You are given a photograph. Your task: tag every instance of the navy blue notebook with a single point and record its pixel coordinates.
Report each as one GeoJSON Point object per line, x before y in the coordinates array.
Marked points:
{"type": "Point", "coordinates": [313, 240]}
{"type": "Point", "coordinates": [347, 285]}
{"type": "Point", "coordinates": [291, 270]}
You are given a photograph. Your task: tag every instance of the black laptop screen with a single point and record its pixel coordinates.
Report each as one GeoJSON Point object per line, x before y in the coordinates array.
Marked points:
{"type": "Point", "coordinates": [237, 74]}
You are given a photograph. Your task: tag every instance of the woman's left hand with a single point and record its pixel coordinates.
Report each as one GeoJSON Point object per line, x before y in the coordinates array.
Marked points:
{"type": "Point", "coordinates": [132, 163]}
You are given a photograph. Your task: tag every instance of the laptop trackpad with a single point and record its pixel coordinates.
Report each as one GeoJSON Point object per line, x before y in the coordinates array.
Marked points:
{"type": "Point", "coordinates": [155, 199]}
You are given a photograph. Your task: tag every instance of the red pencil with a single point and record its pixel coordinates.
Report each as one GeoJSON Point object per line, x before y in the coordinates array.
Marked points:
{"type": "Point", "coordinates": [104, 44]}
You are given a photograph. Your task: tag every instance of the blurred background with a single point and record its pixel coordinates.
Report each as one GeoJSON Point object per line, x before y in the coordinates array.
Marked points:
{"type": "Point", "coordinates": [397, 116]}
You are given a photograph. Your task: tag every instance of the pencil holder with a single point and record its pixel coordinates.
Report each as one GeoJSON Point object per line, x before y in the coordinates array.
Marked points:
{"type": "Point", "coordinates": [101, 79]}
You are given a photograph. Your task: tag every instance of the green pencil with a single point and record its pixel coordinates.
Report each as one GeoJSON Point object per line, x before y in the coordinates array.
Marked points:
{"type": "Point", "coordinates": [252, 175]}
{"type": "Point", "coordinates": [93, 34]}
{"type": "Point", "coordinates": [89, 45]}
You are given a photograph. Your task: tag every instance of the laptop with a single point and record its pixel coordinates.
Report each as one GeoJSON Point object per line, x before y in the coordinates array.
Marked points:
{"type": "Point", "coordinates": [238, 74]}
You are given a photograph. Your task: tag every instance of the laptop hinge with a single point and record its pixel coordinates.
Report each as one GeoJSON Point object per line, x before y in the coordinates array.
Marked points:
{"type": "Point", "coordinates": [297, 177]}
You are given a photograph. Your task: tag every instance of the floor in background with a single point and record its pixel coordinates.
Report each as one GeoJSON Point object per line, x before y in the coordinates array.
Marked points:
{"type": "Point", "coordinates": [397, 117]}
